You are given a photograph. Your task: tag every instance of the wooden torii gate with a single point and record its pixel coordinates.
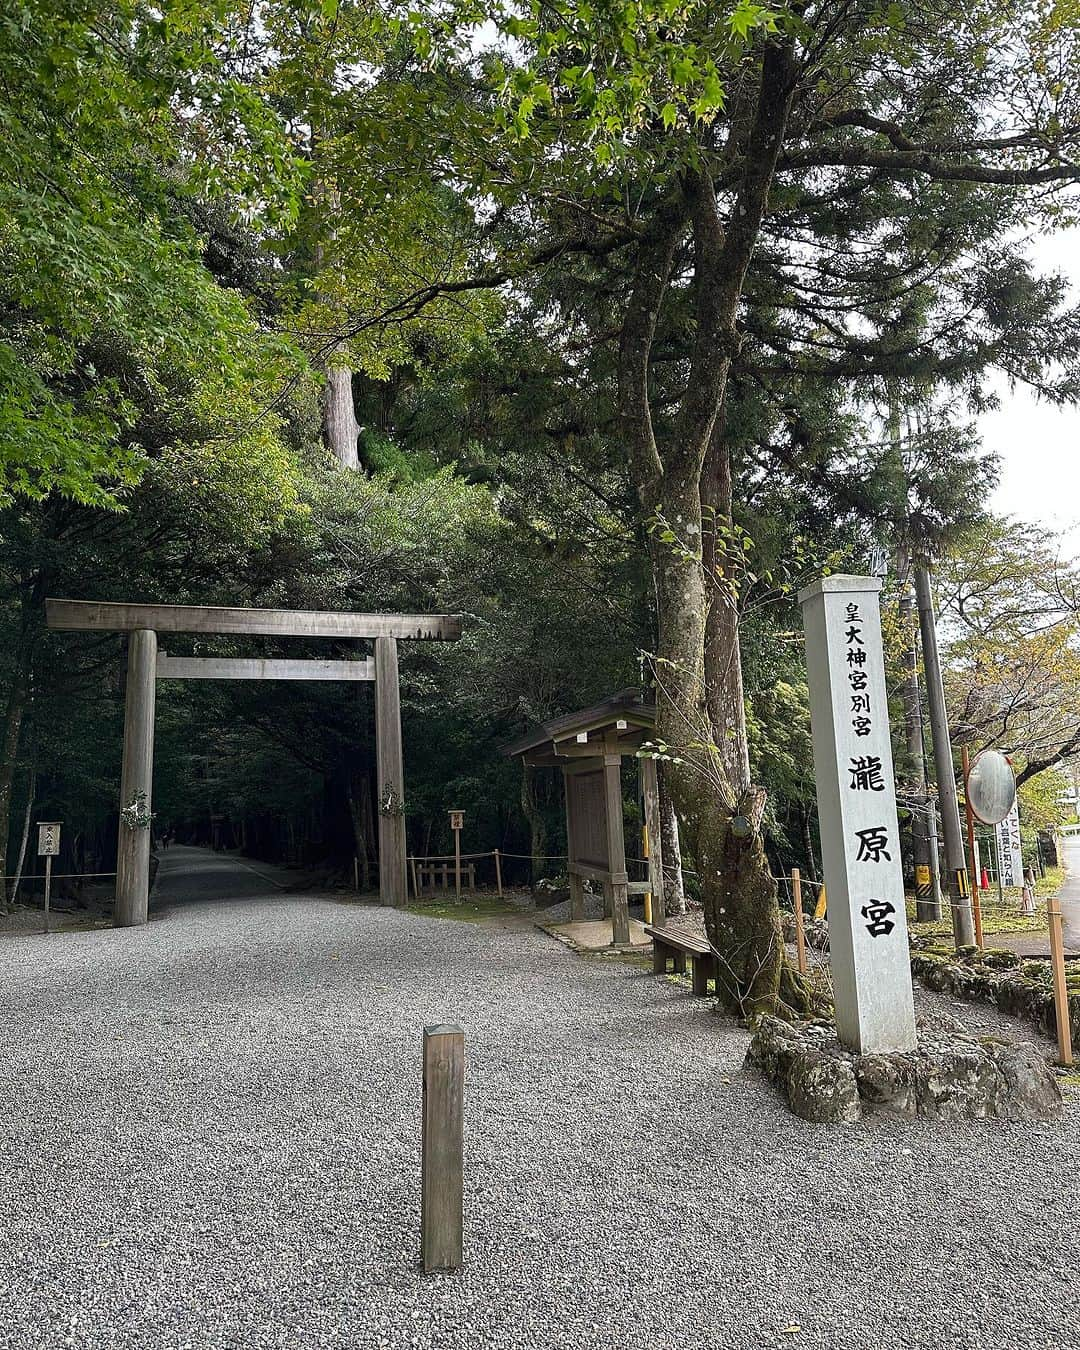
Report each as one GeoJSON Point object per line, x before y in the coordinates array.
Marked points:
{"type": "Point", "coordinates": [146, 665]}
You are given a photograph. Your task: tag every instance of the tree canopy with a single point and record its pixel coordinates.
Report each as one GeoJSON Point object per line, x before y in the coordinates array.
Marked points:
{"type": "Point", "coordinates": [606, 326]}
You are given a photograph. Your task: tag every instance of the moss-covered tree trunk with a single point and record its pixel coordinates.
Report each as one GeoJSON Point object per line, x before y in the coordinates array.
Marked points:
{"type": "Point", "coordinates": [700, 715]}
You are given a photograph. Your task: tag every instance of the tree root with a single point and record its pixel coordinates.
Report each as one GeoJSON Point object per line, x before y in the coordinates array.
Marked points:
{"type": "Point", "coordinates": [797, 998]}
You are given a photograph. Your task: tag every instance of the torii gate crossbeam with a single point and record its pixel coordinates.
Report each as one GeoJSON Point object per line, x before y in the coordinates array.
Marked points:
{"type": "Point", "coordinates": [146, 666]}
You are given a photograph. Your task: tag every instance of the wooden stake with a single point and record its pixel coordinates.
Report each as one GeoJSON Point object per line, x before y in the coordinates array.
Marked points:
{"type": "Point", "coordinates": [615, 892]}
{"type": "Point", "coordinates": [800, 932]}
{"type": "Point", "coordinates": [356, 872]}
{"type": "Point", "coordinates": [1061, 993]}
{"type": "Point", "coordinates": [415, 884]}
{"type": "Point", "coordinates": [442, 1148]}
{"type": "Point", "coordinates": [498, 873]}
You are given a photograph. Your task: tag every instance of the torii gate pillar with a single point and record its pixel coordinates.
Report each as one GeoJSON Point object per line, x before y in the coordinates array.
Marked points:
{"type": "Point", "coordinates": [391, 773]}
{"type": "Point", "coordinates": [137, 773]}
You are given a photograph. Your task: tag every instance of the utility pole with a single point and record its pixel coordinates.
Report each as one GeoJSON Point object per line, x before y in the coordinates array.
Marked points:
{"type": "Point", "coordinates": [923, 828]}
{"type": "Point", "coordinates": [959, 893]}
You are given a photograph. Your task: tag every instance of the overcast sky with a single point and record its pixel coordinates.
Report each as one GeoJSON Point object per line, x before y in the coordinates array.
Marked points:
{"type": "Point", "coordinates": [1039, 445]}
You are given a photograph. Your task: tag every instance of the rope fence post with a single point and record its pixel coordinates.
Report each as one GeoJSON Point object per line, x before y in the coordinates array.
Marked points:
{"type": "Point", "coordinates": [1061, 993]}
{"type": "Point", "coordinates": [800, 931]}
{"type": "Point", "coordinates": [498, 874]}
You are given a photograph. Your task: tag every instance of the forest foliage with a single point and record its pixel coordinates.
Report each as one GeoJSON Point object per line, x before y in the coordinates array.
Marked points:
{"type": "Point", "coordinates": [628, 300]}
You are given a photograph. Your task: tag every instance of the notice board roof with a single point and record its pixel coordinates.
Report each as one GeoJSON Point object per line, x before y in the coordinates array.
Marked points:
{"type": "Point", "coordinates": [628, 705]}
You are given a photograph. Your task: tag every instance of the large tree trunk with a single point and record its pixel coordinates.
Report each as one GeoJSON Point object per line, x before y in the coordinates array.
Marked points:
{"type": "Point", "coordinates": [31, 791]}
{"type": "Point", "coordinates": [361, 816]}
{"type": "Point", "coordinates": [708, 776]}
{"type": "Point", "coordinates": [744, 925]}
{"type": "Point", "coordinates": [538, 834]}
{"type": "Point", "coordinates": [670, 850]}
{"type": "Point", "coordinates": [724, 695]}
{"type": "Point", "coordinates": [721, 821]}
{"type": "Point", "coordinates": [340, 427]}
{"type": "Point", "coordinates": [9, 750]}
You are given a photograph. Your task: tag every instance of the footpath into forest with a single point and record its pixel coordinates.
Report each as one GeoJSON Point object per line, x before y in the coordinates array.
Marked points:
{"type": "Point", "coordinates": [211, 1130]}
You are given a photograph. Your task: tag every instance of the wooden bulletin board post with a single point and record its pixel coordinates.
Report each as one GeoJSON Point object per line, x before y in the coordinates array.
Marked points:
{"type": "Point", "coordinates": [457, 819]}
{"type": "Point", "coordinates": [48, 848]}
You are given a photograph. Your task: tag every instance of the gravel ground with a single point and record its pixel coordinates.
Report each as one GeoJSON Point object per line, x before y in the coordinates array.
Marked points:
{"type": "Point", "coordinates": [210, 1138]}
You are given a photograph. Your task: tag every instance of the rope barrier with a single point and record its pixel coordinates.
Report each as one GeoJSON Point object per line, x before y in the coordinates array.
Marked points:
{"type": "Point", "coordinates": [536, 857]}
{"type": "Point", "coordinates": [450, 857]}
{"type": "Point", "coordinates": [56, 876]}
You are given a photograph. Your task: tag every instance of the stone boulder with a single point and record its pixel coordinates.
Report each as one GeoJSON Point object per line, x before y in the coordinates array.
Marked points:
{"type": "Point", "coordinates": [888, 1082]}
{"type": "Point", "coordinates": [821, 1087]}
{"type": "Point", "coordinates": [950, 1075]}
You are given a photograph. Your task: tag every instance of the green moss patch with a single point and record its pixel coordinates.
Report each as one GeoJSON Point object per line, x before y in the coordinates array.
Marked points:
{"type": "Point", "coordinates": [470, 908]}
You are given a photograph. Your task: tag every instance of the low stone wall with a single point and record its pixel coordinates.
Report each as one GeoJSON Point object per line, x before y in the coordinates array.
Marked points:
{"type": "Point", "coordinates": [1016, 986]}
{"type": "Point", "coordinates": [949, 1076]}
{"type": "Point", "coordinates": [1019, 987]}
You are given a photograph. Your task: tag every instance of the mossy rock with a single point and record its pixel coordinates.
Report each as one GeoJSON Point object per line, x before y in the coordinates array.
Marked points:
{"type": "Point", "coordinates": [1000, 958]}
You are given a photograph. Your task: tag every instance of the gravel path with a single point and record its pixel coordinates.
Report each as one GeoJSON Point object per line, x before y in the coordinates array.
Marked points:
{"type": "Point", "coordinates": [210, 1138]}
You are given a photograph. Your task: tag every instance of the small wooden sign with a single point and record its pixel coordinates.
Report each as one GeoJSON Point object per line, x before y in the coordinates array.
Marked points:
{"type": "Point", "coordinates": [48, 845]}
{"type": "Point", "coordinates": [457, 819]}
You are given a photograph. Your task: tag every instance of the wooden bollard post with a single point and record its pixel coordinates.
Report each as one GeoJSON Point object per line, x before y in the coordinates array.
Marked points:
{"type": "Point", "coordinates": [1061, 993]}
{"type": "Point", "coordinates": [800, 932]}
{"type": "Point", "coordinates": [498, 873]}
{"type": "Point", "coordinates": [442, 1148]}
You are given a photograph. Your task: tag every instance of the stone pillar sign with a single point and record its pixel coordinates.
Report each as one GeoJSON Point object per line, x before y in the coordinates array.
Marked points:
{"type": "Point", "coordinates": [860, 838]}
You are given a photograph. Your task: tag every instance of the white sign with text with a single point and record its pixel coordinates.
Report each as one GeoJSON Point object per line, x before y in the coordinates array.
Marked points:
{"type": "Point", "coordinates": [1009, 851]}
{"type": "Point", "coordinates": [860, 837]}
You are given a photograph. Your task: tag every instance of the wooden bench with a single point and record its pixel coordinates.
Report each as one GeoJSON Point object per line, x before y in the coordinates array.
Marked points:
{"type": "Point", "coordinates": [675, 945]}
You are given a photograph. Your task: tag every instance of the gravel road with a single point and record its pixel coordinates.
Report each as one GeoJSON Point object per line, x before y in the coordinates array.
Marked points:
{"type": "Point", "coordinates": [210, 1138]}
